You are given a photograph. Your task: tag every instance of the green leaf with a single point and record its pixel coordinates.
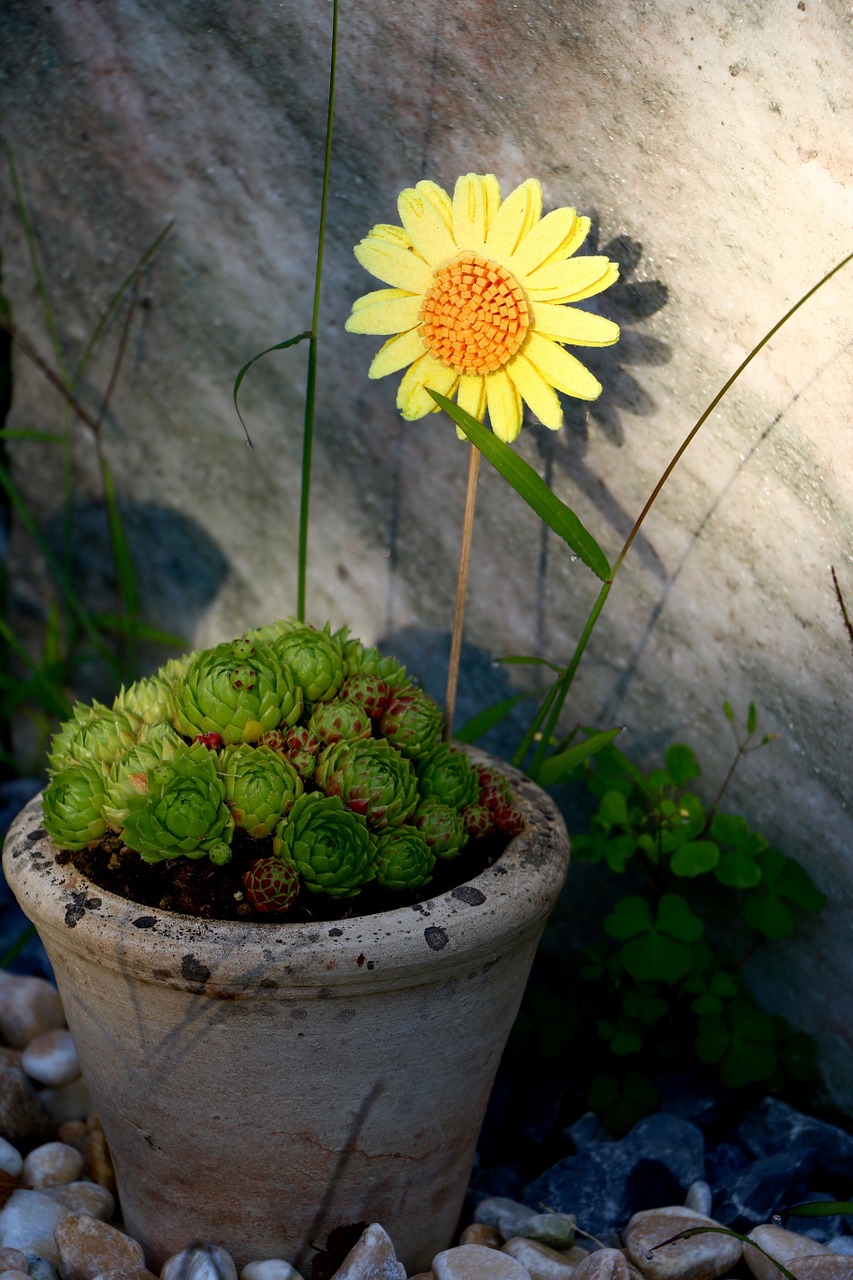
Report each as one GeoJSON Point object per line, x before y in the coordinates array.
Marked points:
{"type": "Point", "coordinates": [531, 487]}
{"type": "Point", "coordinates": [797, 886]}
{"type": "Point", "coordinates": [751, 719]}
{"type": "Point", "coordinates": [279, 346]}
{"type": "Point", "coordinates": [520, 659]}
{"type": "Point", "coordinates": [676, 919]}
{"type": "Point", "coordinates": [737, 870]}
{"type": "Point", "coordinates": [625, 1042]}
{"type": "Point", "coordinates": [656, 958]}
{"type": "Point", "coordinates": [618, 852]}
{"type": "Point", "coordinates": [695, 858]}
{"type": "Point", "coordinates": [558, 767]}
{"type": "Point", "coordinates": [713, 1038]}
{"type": "Point", "coordinates": [630, 917]}
{"type": "Point", "coordinates": [681, 763]}
{"type": "Point", "coordinates": [769, 916]}
{"type": "Point", "coordinates": [613, 810]}
{"type": "Point", "coordinates": [746, 1063]}
{"type": "Point", "coordinates": [822, 1208]}
{"type": "Point", "coordinates": [728, 712]}
{"type": "Point", "coordinates": [485, 720]}
{"type": "Point", "coordinates": [42, 437]}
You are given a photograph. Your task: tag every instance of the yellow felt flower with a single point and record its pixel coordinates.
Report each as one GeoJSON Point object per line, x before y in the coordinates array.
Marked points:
{"type": "Point", "coordinates": [478, 302]}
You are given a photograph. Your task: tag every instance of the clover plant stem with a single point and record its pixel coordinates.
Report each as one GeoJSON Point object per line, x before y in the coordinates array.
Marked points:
{"type": "Point", "coordinates": [461, 590]}
{"type": "Point", "coordinates": [564, 682]}
{"type": "Point", "coordinates": [311, 377]}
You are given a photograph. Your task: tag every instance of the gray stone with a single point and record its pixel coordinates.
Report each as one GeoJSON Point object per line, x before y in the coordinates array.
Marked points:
{"type": "Point", "coordinates": [51, 1165]}
{"type": "Point", "coordinates": [85, 1197]}
{"type": "Point", "coordinates": [27, 1222]}
{"type": "Point", "coordinates": [28, 1007]}
{"type": "Point", "coordinates": [22, 1115]}
{"type": "Point", "coordinates": [540, 1262]}
{"type": "Point", "coordinates": [557, 1230]}
{"type": "Point", "coordinates": [202, 1262]}
{"type": "Point", "coordinates": [88, 1247]}
{"type": "Point", "coordinates": [699, 1197]}
{"type": "Point", "coordinates": [603, 1264]}
{"type": "Point", "coordinates": [776, 1127]}
{"type": "Point", "coordinates": [67, 1102]}
{"type": "Point", "coordinates": [755, 1193]}
{"type": "Point", "coordinates": [604, 1185]}
{"type": "Point", "coordinates": [11, 1160]}
{"type": "Point", "coordinates": [474, 1262]}
{"type": "Point", "coordinates": [269, 1269]}
{"type": "Point", "coordinates": [701, 1257]}
{"type": "Point", "coordinates": [50, 1058]}
{"type": "Point", "coordinates": [786, 1247]}
{"type": "Point", "coordinates": [39, 1268]}
{"type": "Point", "coordinates": [373, 1258]}
{"type": "Point", "coordinates": [505, 1215]}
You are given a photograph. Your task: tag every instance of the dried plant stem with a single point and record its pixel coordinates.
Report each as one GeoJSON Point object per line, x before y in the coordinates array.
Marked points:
{"type": "Point", "coordinates": [461, 589]}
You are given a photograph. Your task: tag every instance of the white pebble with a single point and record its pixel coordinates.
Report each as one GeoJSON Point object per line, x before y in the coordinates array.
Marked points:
{"type": "Point", "coordinates": [68, 1102]}
{"type": "Point", "coordinates": [27, 1222]}
{"type": "Point", "coordinates": [13, 1260]}
{"type": "Point", "coordinates": [51, 1058]}
{"type": "Point", "coordinates": [52, 1165]}
{"type": "Point", "coordinates": [269, 1269]}
{"type": "Point", "coordinates": [85, 1197]}
{"type": "Point", "coordinates": [11, 1160]}
{"type": "Point", "coordinates": [13, 1274]}
{"type": "Point", "coordinates": [212, 1263]}
{"type": "Point", "coordinates": [28, 1006]}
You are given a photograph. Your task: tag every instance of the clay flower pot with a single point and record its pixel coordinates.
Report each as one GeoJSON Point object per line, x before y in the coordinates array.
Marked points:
{"type": "Point", "coordinates": [261, 1084]}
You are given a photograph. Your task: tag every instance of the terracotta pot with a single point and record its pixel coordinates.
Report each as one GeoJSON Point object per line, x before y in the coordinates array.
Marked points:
{"type": "Point", "coordinates": [261, 1084]}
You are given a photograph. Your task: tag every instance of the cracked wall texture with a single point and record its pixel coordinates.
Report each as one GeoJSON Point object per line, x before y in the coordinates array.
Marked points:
{"type": "Point", "coordinates": [713, 146]}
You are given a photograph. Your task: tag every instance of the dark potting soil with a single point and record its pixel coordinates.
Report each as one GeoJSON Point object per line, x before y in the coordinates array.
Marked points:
{"type": "Point", "coordinates": [198, 888]}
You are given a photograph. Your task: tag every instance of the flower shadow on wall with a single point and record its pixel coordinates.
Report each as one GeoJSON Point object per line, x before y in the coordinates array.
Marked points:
{"type": "Point", "coordinates": [628, 301]}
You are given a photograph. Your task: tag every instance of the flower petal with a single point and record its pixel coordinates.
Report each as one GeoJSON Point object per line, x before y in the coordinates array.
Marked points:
{"type": "Point", "coordinates": [393, 264]}
{"type": "Point", "coordinates": [396, 353]}
{"type": "Point", "coordinates": [504, 404]}
{"type": "Point", "coordinates": [413, 399]}
{"type": "Point", "coordinates": [535, 391]}
{"type": "Point", "coordinates": [476, 200]}
{"type": "Point", "coordinates": [560, 234]}
{"type": "Point", "coordinates": [472, 398]}
{"type": "Point", "coordinates": [427, 216]}
{"type": "Point", "coordinates": [568, 324]}
{"type": "Point", "coordinates": [518, 214]}
{"type": "Point", "coordinates": [384, 311]}
{"type": "Point", "coordinates": [559, 368]}
{"type": "Point", "coordinates": [572, 280]}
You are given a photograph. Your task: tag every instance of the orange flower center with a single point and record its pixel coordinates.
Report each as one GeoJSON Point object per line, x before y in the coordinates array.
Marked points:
{"type": "Point", "coordinates": [475, 316]}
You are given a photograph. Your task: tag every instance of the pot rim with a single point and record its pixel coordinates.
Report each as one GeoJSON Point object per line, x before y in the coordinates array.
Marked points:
{"type": "Point", "coordinates": [473, 923]}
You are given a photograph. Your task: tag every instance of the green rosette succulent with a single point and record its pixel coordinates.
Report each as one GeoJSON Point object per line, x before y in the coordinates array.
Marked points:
{"type": "Point", "coordinates": [94, 733]}
{"type": "Point", "coordinates": [315, 660]}
{"type": "Point", "coordinates": [260, 787]}
{"type": "Point", "coordinates": [272, 631]}
{"type": "Point", "coordinates": [412, 722]}
{"type": "Point", "coordinates": [149, 699]}
{"type": "Point", "coordinates": [72, 807]}
{"type": "Point", "coordinates": [370, 661]}
{"type": "Point", "coordinates": [236, 690]}
{"type": "Point", "coordinates": [442, 828]}
{"type": "Point", "coordinates": [372, 779]}
{"type": "Point", "coordinates": [175, 669]}
{"type": "Point", "coordinates": [338, 721]}
{"type": "Point", "coordinates": [183, 812]}
{"type": "Point", "coordinates": [403, 859]}
{"type": "Point", "coordinates": [161, 735]}
{"type": "Point", "coordinates": [128, 778]}
{"type": "Point", "coordinates": [328, 844]}
{"type": "Point", "coordinates": [448, 775]}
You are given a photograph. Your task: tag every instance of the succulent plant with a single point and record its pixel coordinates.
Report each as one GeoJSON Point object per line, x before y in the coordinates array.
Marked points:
{"type": "Point", "coordinates": [260, 787]}
{"type": "Point", "coordinates": [128, 778]}
{"type": "Point", "coordinates": [183, 811]}
{"type": "Point", "coordinates": [338, 721]}
{"type": "Point", "coordinates": [150, 700]}
{"type": "Point", "coordinates": [412, 723]}
{"type": "Point", "coordinates": [361, 660]}
{"type": "Point", "coordinates": [94, 733]}
{"type": "Point", "coordinates": [403, 859]}
{"type": "Point", "coordinates": [494, 788]}
{"type": "Point", "coordinates": [72, 804]}
{"type": "Point", "coordinates": [272, 886]}
{"type": "Point", "coordinates": [477, 820]}
{"type": "Point", "coordinates": [448, 775]}
{"type": "Point", "coordinates": [368, 691]}
{"type": "Point", "coordinates": [442, 827]}
{"type": "Point", "coordinates": [315, 660]}
{"type": "Point", "coordinates": [371, 778]}
{"type": "Point", "coordinates": [328, 844]}
{"type": "Point", "coordinates": [237, 691]}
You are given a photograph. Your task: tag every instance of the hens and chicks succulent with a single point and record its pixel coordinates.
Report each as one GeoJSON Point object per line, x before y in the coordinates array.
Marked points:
{"type": "Point", "coordinates": [318, 748]}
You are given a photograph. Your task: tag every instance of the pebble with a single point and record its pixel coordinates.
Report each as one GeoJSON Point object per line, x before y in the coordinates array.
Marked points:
{"type": "Point", "coordinates": [50, 1058]}
{"type": "Point", "coordinates": [557, 1230]}
{"type": "Point", "coordinates": [40, 1268]}
{"type": "Point", "coordinates": [200, 1263]}
{"type": "Point", "coordinates": [540, 1262]}
{"type": "Point", "coordinates": [373, 1258]}
{"type": "Point", "coordinates": [476, 1262]}
{"type": "Point", "coordinates": [13, 1260]}
{"type": "Point", "coordinates": [67, 1101]}
{"type": "Point", "coordinates": [481, 1233]}
{"type": "Point", "coordinates": [51, 1165]}
{"type": "Point", "coordinates": [825, 1266]}
{"type": "Point", "coordinates": [99, 1166]}
{"type": "Point", "coordinates": [88, 1247]}
{"type": "Point", "coordinates": [699, 1198]}
{"type": "Point", "coordinates": [506, 1216]}
{"type": "Point", "coordinates": [73, 1132]}
{"type": "Point", "coordinates": [604, 1264]}
{"type": "Point", "coordinates": [27, 1222]}
{"type": "Point", "coordinates": [28, 1007]}
{"type": "Point", "coordinates": [21, 1114]}
{"type": "Point", "coordinates": [702, 1257]}
{"type": "Point", "coordinates": [121, 1274]}
{"type": "Point", "coordinates": [13, 1273]}
{"type": "Point", "coordinates": [269, 1269]}
{"type": "Point", "coordinates": [786, 1246]}
{"type": "Point", "coordinates": [85, 1197]}
{"type": "Point", "coordinates": [11, 1160]}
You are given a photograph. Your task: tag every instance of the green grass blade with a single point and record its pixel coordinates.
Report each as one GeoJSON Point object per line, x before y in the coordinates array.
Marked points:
{"type": "Point", "coordinates": [531, 487]}
{"type": "Point", "coordinates": [559, 767]}
{"type": "Point", "coordinates": [121, 552]}
{"type": "Point", "coordinates": [29, 931]}
{"type": "Point", "coordinates": [485, 720]}
{"type": "Point", "coordinates": [279, 346]}
{"type": "Point", "coordinates": [523, 660]}
{"type": "Point", "coordinates": [41, 437]}
{"type": "Point", "coordinates": [114, 623]}
{"type": "Point", "coordinates": [822, 1208]}
{"type": "Point", "coordinates": [51, 698]}
{"type": "Point", "coordinates": [35, 261]}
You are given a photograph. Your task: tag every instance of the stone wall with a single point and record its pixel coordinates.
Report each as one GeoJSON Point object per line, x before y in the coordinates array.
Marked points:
{"type": "Point", "coordinates": [712, 145]}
